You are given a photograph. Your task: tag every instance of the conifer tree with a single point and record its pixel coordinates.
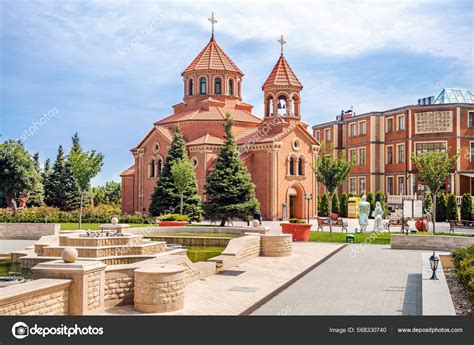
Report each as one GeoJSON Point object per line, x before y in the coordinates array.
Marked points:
{"type": "Point", "coordinates": [466, 207]}
{"type": "Point", "coordinates": [166, 199]}
{"type": "Point", "coordinates": [452, 207]}
{"type": "Point", "coordinates": [36, 194]}
{"type": "Point", "coordinates": [324, 209]}
{"type": "Point", "coordinates": [230, 192]}
{"type": "Point", "coordinates": [335, 204]}
{"type": "Point", "coordinates": [343, 207]}
{"type": "Point", "coordinates": [441, 208]}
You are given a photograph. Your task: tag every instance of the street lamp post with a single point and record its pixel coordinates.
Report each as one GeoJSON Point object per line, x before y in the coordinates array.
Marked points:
{"type": "Point", "coordinates": [434, 261]}
{"type": "Point", "coordinates": [308, 198]}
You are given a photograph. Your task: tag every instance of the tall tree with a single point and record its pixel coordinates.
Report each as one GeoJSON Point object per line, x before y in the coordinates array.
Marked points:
{"type": "Point", "coordinates": [110, 193]}
{"type": "Point", "coordinates": [331, 170]}
{"type": "Point", "coordinates": [230, 192]}
{"type": "Point", "coordinates": [46, 171]}
{"type": "Point", "coordinates": [434, 168]}
{"type": "Point", "coordinates": [166, 198]}
{"type": "Point", "coordinates": [184, 178]}
{"type": "Point", "coordinates": [84, 166]}
{"type": "Point", "coordinates": [17, 171]}
{"type": "Point", "coordinates": [36, 194]}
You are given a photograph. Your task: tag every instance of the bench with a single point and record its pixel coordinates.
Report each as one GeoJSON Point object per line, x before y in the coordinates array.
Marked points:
{"type": "Point", "coordinates": [325, 222]}
{"type": "Point", "coordinates": [460, 225]}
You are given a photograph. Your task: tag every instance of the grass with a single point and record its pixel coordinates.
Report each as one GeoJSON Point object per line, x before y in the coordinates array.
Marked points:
{"type": "Point", "coordinates": [95, 226]}
{"type": "Point", "coordinates": [191, 234]}
{"type": "Point", "coordinates": [337, 237]}
{"type": "Point", "coordinates": [202, 253]}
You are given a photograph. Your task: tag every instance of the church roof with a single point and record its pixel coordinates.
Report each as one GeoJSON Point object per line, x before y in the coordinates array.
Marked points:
{"type": "Point", "coordinates": [206, 139]}
{"type": "Point", "coordinates": [282, 75]}
{"type": "Point", "coordinates": [213, 57]}
{"type": "Point", "coordinates": [213, 114]}
{"type": "Point", "coordinates": [128, 172]}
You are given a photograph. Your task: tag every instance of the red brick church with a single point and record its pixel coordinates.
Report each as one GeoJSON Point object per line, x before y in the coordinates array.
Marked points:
{"type": "Point", "coordinates": [278, 150]}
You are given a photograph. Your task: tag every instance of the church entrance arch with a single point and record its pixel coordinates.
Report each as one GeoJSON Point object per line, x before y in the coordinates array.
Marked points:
{"type": "Point", "coordinates": [295, 201]}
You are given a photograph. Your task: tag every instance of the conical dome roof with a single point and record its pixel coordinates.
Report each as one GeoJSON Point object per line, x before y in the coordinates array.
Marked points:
{"type": "Point", "coordinates": [282, 75]}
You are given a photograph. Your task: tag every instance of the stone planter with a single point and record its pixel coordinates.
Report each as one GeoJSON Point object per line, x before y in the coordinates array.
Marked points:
{"type": "Point", "coordinates": [173, 223]}
{"type": "Point", "coordinates": [300, 232]}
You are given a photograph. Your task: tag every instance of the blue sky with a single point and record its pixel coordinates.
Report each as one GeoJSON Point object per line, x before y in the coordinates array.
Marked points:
{"type": "Point", "coordinates": [63, 57]}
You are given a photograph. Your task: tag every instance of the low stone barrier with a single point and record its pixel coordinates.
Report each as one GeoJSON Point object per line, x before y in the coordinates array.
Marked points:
{"type": "Point", "coordinates": [429, 242]}
{"type": "Point", "coordinates": [277, 245]}
{"type": "Point", "coordinates": [37, 297]}
{"type": "Point", "coordinates": [159, 288]}
{"type": "Point", "coordinates": [194, 240]}
{"type": "Point", "coordinates": [27, 231]}
{"type": "Point", "coordinates": [162, 230]}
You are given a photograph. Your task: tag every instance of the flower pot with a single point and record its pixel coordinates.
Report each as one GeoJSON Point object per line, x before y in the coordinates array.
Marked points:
{"type": "Point", "coordinates": [421, 224]}
{"type": "Point", "coordinates": [300, 232]}
{"type": "Point", "coordinates": [172, 223]}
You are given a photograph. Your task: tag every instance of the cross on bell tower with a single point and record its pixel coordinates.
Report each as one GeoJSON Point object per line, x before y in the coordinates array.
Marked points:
{"type": "Point", "coordinates": [282, 42]}
{"type": "Point", "coordinates": [213, 21]}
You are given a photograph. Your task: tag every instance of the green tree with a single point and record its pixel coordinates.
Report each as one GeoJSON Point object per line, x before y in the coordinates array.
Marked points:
{"type": "Point", "coordinates": [184, 178]}
{"type": "Point", "coordinates": [61, 187]}
{"type": "Point", "coordinates": [230, 192]}
{"type": "Point", "coordinates": [371, 201]}
{"type": "Point", "coordinates": [18, 173]}
{"type": "Point", "coordinates": [452, 207]}
{"type": "Point", "coordinates": [46, 171]}
{"type": "Point", "coordinates": [331, 170]}
{"type": "Point", "coordinates": [85, 166]}
{"type": "Point", "coordinates": [166, 198]}
{"type": "Point", "coordinates": [110, 193]}
{"type": "Point", "coordinates": [441, 208]}
{"type": "Point", "coordinates": [434, 168]}
{"type": "Point", "coordinates": [36, 195]}
{"type": "Point", "coordinates": [324, 209]}
{"type": "Point", "coordinates": [343, 207]}
{"type": "Point", "coordinates": [335, 204]}
{"type": "Point", "coordinates": [466, 207]}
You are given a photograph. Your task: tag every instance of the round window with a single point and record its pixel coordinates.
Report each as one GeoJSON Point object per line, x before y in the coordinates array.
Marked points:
{"type": "Point", "coordinates": [195, 161]}
{"type": "Point", "coordinates": [156, 147]}
{"type": "Point", "coordinates": [296, 144]}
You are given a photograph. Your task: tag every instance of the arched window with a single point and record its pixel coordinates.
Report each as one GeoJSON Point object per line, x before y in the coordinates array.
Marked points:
{"type": "Point", "coordinates": [231, 87]}
{"type": "Point", "coordinates": [159, 166]}
{"type": "Point", "coordinates": [191, 87]}
{"type": "Point", "coordinates": [238, 89]}
{"type": "Point", "coordinates": [292, 166]}
{"type": "Point", "coordinates": [202, 86]}
{"type": "Point", "coordinates": [300, 166]}
{"type": "Point", "coordinates": [218, 86]}
{"type": "Point", "coordinates": [282, 105]}
{"type": "Point", "coordinates": [151, 168]}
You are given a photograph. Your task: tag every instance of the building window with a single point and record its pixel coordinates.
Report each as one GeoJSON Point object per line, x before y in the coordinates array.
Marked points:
{"type": "Point", "coordinates": [191, 87]}
{"type": "Point", "coordinates": [470, 119]}
{"type": "Point", "coordinates": [318, 135]}
{"type": "Point", "coordinates": [353, 155]}
{"type": "Point", "coordinates": [362, 128]}
{"type": "Point", "coordinates": [300, 166]}
{"type": "Point", "coordinates": [231, 87]}
{"type": "Point", "coordinates": [389, 125]}
{"type": "Point", "coordinates": [401, 185]}
{"type": "Point", "coordinates": [390, 185]}
{"type": "Point", "coordinates": [401, 153]}
{"type": "Point", "coordinates": [151, 168]}
{"type": "Point", "coordinates": [202, 86]}
{"type": "Point", "coordinates": [353, 130]}
{"type": "Point", "coordinates": [296, 144]}
{"type": "Point", "coordinates": [401, 123]}
{"type": "Point", "coordinates": [218, 86]}
{"type": "Point", "coordinates": [389, 154]}
{"type": "Point", "coordinates": [292, 166]}
{"type": "Point", "coordinates": [430, 147]}
{"type": "Point", "coordinates": [327, 134]}
{"type": "Point", "coordinates": [156, 147]}
{"type": "Point", "coordinates": [352, 185]}
{"type": "Point", "coordinates": [159, 166]}
{"type": "Point", "coordinates": [472, 151]}
{"type": "Point", "coordinates": [195, 162]}
{"type": "Point", "coordinates": [361, 185]}
{"type": "Point", "coordinates": [362, 156]}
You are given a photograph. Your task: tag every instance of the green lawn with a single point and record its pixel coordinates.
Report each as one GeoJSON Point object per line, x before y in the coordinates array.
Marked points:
{"type": "Point", "coordinates": [202, 253]}
{"type": "Point", "coordinates": [337, 237]}
{"type": "Point", "coordinates": [95, 226]}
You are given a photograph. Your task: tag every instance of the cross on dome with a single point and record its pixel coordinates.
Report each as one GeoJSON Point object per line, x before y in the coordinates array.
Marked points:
{"type": "Point", "coordinates": [213, 21]}
{"type": "Point", "coordinates": [282, 42]}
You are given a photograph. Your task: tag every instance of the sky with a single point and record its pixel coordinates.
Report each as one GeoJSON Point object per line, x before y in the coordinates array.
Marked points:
{"type": "Point", "coordinates": [109, 69]}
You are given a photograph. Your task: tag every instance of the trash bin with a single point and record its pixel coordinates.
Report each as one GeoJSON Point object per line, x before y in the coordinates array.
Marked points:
{"type": "Point", "coordinates": [353, 207]}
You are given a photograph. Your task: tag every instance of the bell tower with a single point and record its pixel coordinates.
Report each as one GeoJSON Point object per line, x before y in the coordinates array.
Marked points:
{"type": "Point", "coordinates": [281, 90]}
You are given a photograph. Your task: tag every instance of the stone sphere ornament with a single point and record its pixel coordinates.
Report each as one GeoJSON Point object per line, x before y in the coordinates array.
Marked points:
{"type": "Point", "coordinates": [115, 220]}
{"type": "Point", "coordinates": [255, 223]}
{"type": "Point", "coordinates": [69, 255]}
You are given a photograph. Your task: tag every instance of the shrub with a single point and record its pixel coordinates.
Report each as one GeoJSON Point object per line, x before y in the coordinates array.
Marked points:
{"type": "Point", "coordinates": [441, 208]}
{"type": "Point", "coordinates": [335, 204]}
{"type": "Point", "coordinates": [371, 201]}
{"type": "Point", "coordinates": [463, 260]}
{"type": "Point", "coordinates": [466, 207]}
{"type": "Point", "coordinates": [324, 209]}
{"type": "Point", "coordinates": [297, 221]}
{"type": "Point", "coordinates": [174, 217]}
{"type": "Point", "coordinates": [451, 207]}
{"type": "Point", "coordinates": [343, 206]}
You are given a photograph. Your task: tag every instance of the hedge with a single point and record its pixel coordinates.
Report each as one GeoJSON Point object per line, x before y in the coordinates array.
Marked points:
{"type": "Point", "coordinates": [463, 260]}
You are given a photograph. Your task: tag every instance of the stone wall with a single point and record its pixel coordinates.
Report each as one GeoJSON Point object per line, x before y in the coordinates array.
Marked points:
{"type": "Point", "coordinates": [37, 297]}
{"type": "Point", "coordinates": [243, 248]}
{"type": "Point", "coordinates": [429, 242]}
{"type": "Point", "coordinates": [194, 240]}
{"type": "Point", "coordinates": [277, 245]}
{"type": "Point", "coordinates": [163, 230]}
{"type": "Point", "coordinates": [27, 231]}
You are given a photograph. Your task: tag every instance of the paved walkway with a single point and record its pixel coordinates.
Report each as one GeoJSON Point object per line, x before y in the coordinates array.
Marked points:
{"type": "Point", "coordinates": [240, 287]}
{"type": "Point", "coordinates": [358, 280]}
